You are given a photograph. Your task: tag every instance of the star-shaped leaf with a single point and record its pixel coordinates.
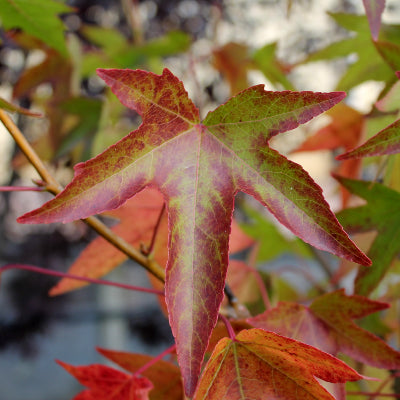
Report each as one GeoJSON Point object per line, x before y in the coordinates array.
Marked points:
{"type": "Point", "coordinates": [263, 365]}
{"type": "Point", "coordinates": [328, 325]}
{"type": "Point", "coordinates": [199, 168]}
{"type": "Point", "coordinates": [381, 213]}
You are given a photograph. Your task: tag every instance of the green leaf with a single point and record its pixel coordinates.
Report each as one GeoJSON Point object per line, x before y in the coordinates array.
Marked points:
{"type": "Point", "coordinates": [265, 59]}
{"type": "Point", "coordinates": [199, 168]}
{"type": "Point", "coordinates": [381, 213]}
{"type": "Point", "coordinates": [5, 105]}
{"type": "Point", "coordinates": [39, 18]}
{"type": "Point", "coordinates": [272, 242]}
{"type": "Point", "coordinates": [369, 64]}
{"type": "Point", "coordinates": [117, 52]}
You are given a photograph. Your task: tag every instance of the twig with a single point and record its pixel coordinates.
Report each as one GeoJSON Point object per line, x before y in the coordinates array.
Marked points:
{"type": "Point", "coordinates": [52, 186]}
{"type": "Point", "coordinates": [149, 249]}
{"type": "Point", "coordinates": [155, 359]}
{"type": "Point", "coordinates": [228, 326]}
{"type": "Point", "coordinates": [21, 189]}
{"type": "Point", "coordinates": [45, 271]}
{"type": "Point", "coordinates": [395, 395]}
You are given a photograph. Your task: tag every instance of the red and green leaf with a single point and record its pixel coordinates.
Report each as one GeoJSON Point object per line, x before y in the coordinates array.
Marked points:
{"type": "Point", "coordinates": [199, 168]}
{"type": "Point", "coordinates": [387, 141]}
{"type": "Point", "coordinates": [263, 365]}
{"type": "Point", "coordinates": [381, 213]}
{"type": "Point", "coordinates": [328, 325]}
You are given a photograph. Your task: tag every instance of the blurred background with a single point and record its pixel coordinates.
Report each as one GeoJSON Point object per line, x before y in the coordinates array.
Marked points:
{"type": "Point", "coordinates": [217, 48]}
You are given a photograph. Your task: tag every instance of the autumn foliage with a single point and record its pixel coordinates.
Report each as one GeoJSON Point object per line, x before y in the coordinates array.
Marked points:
{"type": "Point", "coordinates": [180, 185]}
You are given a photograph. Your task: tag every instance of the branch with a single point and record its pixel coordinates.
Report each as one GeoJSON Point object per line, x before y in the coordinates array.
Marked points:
{"type": "Point", "coordinates": [52, 186]}
{"type": "Point", "coordinates": [45, 271]}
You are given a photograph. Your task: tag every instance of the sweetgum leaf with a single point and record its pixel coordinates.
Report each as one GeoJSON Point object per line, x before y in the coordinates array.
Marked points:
{"type": "Point", "coordinates": [38, 18]}
{"type": "Point", "coordinates": [374, 10]}
{"type": "Point", "coordinates": [199, 168]}
{"type": "Point", "coordinates": [327, 324]}
{"type": "Point", "coordinates": [107, 383]}
{"type": "Point", "coordinates": [387, 141]}
{"type": "Point", "coordinates": [381, 213]}
{"type": "Point", "coordinates": [263, 365]}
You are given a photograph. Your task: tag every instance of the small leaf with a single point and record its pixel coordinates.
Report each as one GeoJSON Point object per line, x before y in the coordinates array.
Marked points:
{"type": "Point", "coordinates": [266, 61]}
{"type": "Point", "coordinates": [199, 168]}
{"type": "Point", "coordinates": [381, 213]}
{"type": "Point", "coordinates": [38, 18]}
{"type": "Point", "coordinates": [107, 383]}
{"type": "Point", "coordinates": [387, 141]}
{"type": "Point", "coordinates": [263, 365]}
{"type": "Point", "coordinates": [5, 105]}
{"type": "Point", "coordinates": [374, 10]}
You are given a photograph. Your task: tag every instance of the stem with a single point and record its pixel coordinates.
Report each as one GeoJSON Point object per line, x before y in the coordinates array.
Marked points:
{"type": "Point", "coordinates": [54, 187]}
{"type": "Point", "coordinates": [228, 326]}
{"type": "Point", "coordinates": [21, 189]}
{"type": "Point", "coordinates": [79, 278]}
{"type": "Point", "coordinates": [260, 283]}
{"type": "Point", "coordinates": [149, 250]}
{"type": "Point", "coordinates": [155, 359]}
{"type": "Point", "coordinates": [397, 396]}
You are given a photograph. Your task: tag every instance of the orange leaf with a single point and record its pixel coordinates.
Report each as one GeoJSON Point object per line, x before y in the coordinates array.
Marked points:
{"type": "Point", "coordinates": [344, 132]}
{"type": "Point", "coordinates": [107, 383]}
{"type": "Point", "coordinates": [165, 376]}
{"type": "Point", "coordinates": [263, 365]}
{"type": "Point", "coordinates": [138, 219]}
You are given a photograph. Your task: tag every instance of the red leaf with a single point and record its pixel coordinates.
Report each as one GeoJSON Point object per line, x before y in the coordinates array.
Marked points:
{"type": "Point", "coordinates": [107, 383]}
{"type": "Point", "coordinates": [264, 365]}
{"type": "Point", "coordinates": [199, 168]}
{"type": "Point", "coordinates": [327, 324]}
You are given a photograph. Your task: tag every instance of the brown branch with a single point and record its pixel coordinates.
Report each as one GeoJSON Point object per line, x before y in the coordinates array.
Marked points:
{"type": "Point", "coordinates": [52, 186]}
